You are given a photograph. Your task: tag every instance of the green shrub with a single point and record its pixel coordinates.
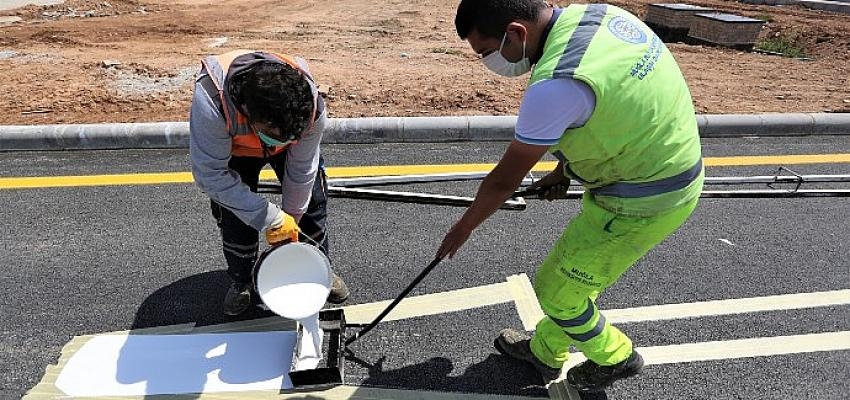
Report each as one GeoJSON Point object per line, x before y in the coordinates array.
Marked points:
{"type": "Point", "coordinates": [787, 45]}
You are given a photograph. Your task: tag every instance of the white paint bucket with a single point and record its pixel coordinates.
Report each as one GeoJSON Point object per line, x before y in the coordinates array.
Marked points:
{"type": "Point", "coordinates": [293, 280]}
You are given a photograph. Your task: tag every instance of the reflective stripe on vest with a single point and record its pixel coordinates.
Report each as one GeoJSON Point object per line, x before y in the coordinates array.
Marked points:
{"type": "Point", "coordinates": [577, 45]}
{"type": "Point", "coordinates": [646, 189]}
{"type": "Point", "coordinates": [642, 134]}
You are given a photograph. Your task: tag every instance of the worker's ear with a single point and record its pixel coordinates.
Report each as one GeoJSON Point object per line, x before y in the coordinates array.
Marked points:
{"type": "Point", "coordinates": [516, 31]}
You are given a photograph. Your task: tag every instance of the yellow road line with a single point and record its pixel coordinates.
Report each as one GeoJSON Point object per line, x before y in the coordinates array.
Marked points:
{"type": "Point", "coordinates": [777, 160]}
{"type": "Point", "coordinates": [379, 170]}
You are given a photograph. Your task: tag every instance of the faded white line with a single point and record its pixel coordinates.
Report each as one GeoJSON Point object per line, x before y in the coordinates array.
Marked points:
{"type": "Point", "coordinates": [730, 306]}
{"type": "Point", "coordinates": [526, 301]}
{"type": "Point", "coordinates": [794, 301]}
{"type": "Point", "coordinates": [739, 348]}
{"type": "Point", "coordinates": [430, 304]}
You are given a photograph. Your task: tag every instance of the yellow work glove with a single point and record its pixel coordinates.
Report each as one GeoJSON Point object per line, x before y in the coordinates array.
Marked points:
{"type": "Point", "coordinates": [283, 228]}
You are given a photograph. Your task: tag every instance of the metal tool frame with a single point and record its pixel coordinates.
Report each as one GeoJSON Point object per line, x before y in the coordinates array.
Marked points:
{"type": "Point", "coordinates": [354, 188]}
{"type": "Point", "coordinates": [332, 322]}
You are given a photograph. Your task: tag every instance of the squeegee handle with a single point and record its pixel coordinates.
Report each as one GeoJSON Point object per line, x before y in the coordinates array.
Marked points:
{"type": "Point", "coordinates": [528, 192]}
{"type": "Point", "coordinates": [395, 302]}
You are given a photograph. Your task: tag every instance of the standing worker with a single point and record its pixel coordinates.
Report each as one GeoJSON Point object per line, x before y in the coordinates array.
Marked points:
{"type": "Point", "coordinates": [249, 109]}
{"type": "Point", "coordinates": [607, 99]}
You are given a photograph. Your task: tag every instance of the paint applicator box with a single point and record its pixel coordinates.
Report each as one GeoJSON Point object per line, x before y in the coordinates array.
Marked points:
{"type": "Point", "coordinates": [328, 370]}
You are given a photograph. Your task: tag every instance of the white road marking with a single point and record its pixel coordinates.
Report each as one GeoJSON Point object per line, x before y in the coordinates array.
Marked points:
{"type": "Point", "coordinates": [430, 304]}
{"type": "Point", "coordinates": [793, 301]}
{"type": "Point", "coordinates": [739, 348]}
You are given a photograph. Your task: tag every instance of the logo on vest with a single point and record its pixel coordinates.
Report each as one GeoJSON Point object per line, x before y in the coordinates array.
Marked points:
{"type": "Point", "coordinates": [627, 30]}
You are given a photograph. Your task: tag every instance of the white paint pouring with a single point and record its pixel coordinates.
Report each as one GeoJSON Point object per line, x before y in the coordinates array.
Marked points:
{"type": "Point", "coordinates": [294, 281]}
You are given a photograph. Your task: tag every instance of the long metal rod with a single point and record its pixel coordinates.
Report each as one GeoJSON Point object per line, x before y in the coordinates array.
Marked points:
{"type": "Point", "coordinates": [762, 194]}
{"type": "Point", "coordinates": [406, 179]}
{"type": "Point", "coordinates": [726, 180]}
{"type": "Point", "coordinates": [416, 198]}
{"type": "Point", "coordinates": [471, 176]}
{"type": "Point", "coordinates": [395, 302]}
{"type": "Point", "coordinates": [399, 197]}
{"type": "Point", "coordinates": [348, 188]}
{"type": "Point", "coordinates": [739, 194]}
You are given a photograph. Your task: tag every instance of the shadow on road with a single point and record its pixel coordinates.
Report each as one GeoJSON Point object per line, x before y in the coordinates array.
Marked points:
{"type": "Point", "coordinates": [497, 374]}
{"type": "Point", "coordinates": [196, 298]}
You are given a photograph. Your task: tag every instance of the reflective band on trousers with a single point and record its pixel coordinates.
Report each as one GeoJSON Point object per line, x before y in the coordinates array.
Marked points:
{"type": "Point", "coordinates": [645, 189]}
{"type": "Point", "coordinates": [241, 250]}
{"type": "Point", "coordinates": [582, 319]}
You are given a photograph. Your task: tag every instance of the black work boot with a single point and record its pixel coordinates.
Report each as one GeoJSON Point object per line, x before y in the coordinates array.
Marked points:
{"type": "Point", "coordinates": [339, 290]}
{"type": "Point", "coordinates": [517, 344]}
{"type": "Point", "coordinates": [237, 299]}
{"type": "Point", "coordinates": [592, 377]}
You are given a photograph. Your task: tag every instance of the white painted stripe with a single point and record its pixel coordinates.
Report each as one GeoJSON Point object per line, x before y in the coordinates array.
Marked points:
{"type": "Point", "coordinates": [740, 348]}
{"type": "Point", "coordinates": [527, 305]}
{"type": "Point", "coordinates": [732, 349]}
{"type": "Point", "coordinates": [730, 306]}
{"type": "Point", "coordinates": [744, 348]}
{"type": "Point", "coordinates": [561, 391]}
{"type": "Point", "coordinates": [430, 304]}
{"type": "Point", "coordinates": [531, 315]}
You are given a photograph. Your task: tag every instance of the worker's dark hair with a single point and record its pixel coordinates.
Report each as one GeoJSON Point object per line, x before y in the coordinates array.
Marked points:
{"type": "Point", "coordinates": [277, 94]}
{"type": "Point", "coordinates": [490, 17]}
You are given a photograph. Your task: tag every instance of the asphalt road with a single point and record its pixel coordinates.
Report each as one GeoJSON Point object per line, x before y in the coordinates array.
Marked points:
{"type": "Point", "coordinates": [85, 260]}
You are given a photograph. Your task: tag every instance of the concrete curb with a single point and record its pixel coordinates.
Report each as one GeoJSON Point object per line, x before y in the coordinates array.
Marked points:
{"type": "Point", "coordinates": [391, 130]}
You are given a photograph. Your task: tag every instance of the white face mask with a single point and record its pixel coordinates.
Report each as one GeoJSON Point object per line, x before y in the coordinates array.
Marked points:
{"type": "Point", "coordinates": [497, 63]}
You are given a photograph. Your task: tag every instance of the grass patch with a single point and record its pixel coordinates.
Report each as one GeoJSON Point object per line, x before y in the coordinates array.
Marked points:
{"type": "Point", "coordinates": [786, 45]}
{"type": "Point", "coordinates": [765, 17]}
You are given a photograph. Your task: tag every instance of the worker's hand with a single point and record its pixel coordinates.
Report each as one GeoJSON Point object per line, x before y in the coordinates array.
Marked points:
{"type": "Point", "coordinates": [283, 228]}
{"type": "Point", "coordinates": [552, 186]}
{"type": "Point", "coordinates": [453, 241]}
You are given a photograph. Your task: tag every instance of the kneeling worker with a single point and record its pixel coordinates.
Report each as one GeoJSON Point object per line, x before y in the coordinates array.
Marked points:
{"type": "Point", "coordinates": [252, 108]}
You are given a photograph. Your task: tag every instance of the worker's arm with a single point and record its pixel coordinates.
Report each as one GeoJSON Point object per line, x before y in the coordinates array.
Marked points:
{"type": "Point", "coordinates": [302, 169]}
{"type": "Point", "coordinates": [209, 152]}
{"type": "Point", "coordinates": [302, 158]}
{"type": "Point", "coordinates": [497, 187]}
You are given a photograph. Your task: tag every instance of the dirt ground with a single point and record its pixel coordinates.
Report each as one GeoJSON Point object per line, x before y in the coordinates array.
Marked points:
{"type": "Point", "coordinates": [89, 61]}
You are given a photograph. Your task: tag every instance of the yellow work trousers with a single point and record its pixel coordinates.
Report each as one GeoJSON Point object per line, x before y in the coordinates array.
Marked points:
{"type": "Point", "coordinates": [595, 249]}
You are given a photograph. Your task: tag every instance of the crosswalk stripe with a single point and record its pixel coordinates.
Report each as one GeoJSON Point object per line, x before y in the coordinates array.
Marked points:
{"type": "Point", "coordinates": [729, 306]}
{"type": "Point", "coordinates": [430, 304]}
{"type": "Point", "coordinates": [719, 350]}
{"type": "Point", "coordinates": [738, 348]}
{"type": "Point", "coordinates": [793, 301]}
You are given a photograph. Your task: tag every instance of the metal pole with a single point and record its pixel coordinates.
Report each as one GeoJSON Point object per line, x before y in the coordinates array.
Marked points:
{"type": "Point", "coordinates": [471, 176]}
{"type": "Point", "coordinates": [416, 198]}
{"type": "Point", "coordinates": [395, 302]}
